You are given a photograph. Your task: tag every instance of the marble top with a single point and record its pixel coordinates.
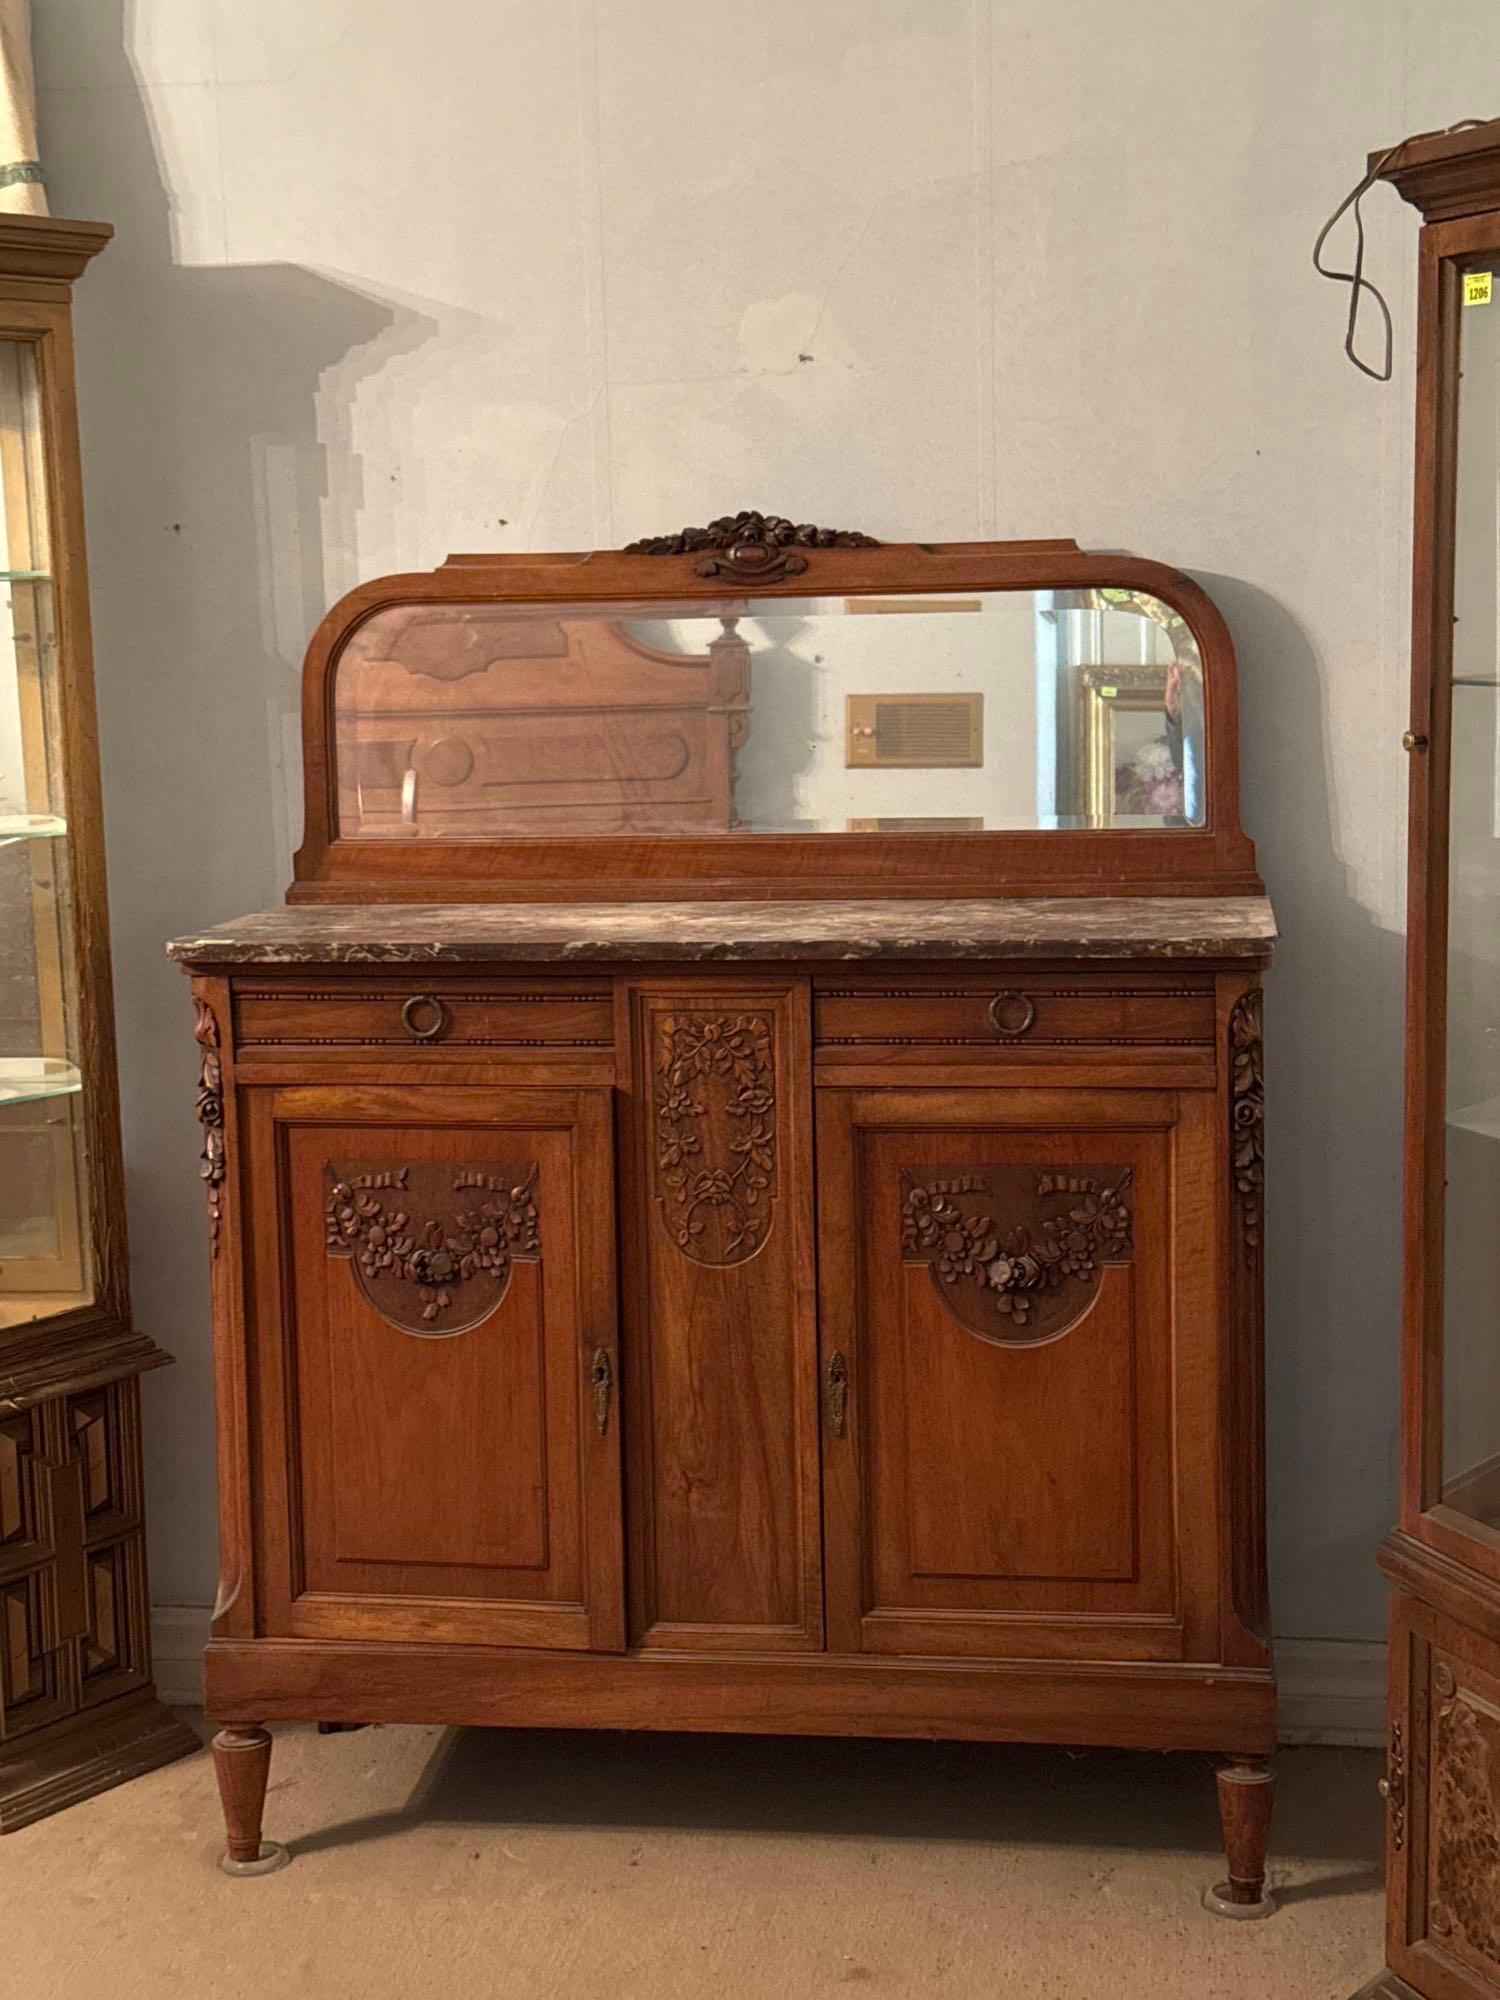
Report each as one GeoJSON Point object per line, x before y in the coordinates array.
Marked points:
{"type": "Point", "coordinates": [1092, 927]}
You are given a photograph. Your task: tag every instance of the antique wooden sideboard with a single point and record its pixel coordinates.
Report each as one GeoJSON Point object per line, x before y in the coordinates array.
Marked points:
{"type": "Point", "coordinates": [774, 1278]}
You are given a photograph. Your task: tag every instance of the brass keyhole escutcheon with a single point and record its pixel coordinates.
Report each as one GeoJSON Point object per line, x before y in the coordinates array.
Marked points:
{"type": "Point", "coordinates": [425, 1017]}
{"type": "Point", "coordinates": [1012, 1014]}
{"type": "Point", "coordinates": [836, 1388]}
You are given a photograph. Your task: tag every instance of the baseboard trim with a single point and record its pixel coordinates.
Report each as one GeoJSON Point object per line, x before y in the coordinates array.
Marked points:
{"type": "Point", "coordinates": [179, 1632]}
{"type": "Point", "coordinates": [1329, 1690]}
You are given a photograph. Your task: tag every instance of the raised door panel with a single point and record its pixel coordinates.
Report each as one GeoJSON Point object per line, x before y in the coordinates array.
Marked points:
{"type": "Point", "coordinates": [433, 1331]}
{"type": "Point", "coordinates": [1443, 1807]}
{"type": "Point", "coordinates": [720, 1331]}
{"type": "Point", "coordinates": [1013, 1381]}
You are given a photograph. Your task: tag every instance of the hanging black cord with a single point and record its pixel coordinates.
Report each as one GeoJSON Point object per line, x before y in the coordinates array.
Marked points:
{"type": "Point", "coordinates": [1356, 280]}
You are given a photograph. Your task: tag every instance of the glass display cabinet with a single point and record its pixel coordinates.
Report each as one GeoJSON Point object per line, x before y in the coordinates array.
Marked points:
{"type": "Point", "coordinates": [735, 1188]}
{"type": "Point", "coordinates": [77, 1710]}
{"type": "Point", "coordinates": [1441, 1789]}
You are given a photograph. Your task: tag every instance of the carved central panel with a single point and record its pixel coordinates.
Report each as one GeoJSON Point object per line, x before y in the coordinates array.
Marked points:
{"type": "Point", "coordinates": [1464, 1845]}
{"type": "Point", "coordinates": [716, 1173]}
{"type": "Point", "coordinates": [432, 1246]}
{"type": "Point", "coordinates": [1016, 1255]}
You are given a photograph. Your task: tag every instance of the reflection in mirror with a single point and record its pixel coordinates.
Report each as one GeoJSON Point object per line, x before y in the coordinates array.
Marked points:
{"type": "Point", "coordinates": [1006, 711]}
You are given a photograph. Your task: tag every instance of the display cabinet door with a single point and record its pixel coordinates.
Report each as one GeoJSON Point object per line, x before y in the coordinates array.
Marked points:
{"type": "Point", "coordinates": [46, 1198]}
{"type": "Point", "coordinates": [1452, 1249]}
{"type": "Point", "coordinates": [1019, 1372]}
{"type": "Point", "coordinates": [431, 1316]}
{"type": "Point", "coordinates": [1442, 1818]}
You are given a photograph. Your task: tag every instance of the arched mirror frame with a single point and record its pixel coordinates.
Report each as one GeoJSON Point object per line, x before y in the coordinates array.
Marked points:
{"type": "Point", "coordinates": [768, 559]}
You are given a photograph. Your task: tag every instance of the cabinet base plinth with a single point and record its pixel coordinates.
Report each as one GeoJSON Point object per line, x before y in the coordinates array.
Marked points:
{"type": "Point", "coordinates": [75, 1760]}
{"type": "Point", "coordinates": [1135, 1706]}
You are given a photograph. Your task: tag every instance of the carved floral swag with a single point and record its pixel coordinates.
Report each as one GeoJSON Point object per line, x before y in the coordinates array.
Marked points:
{"type": "Point", "coordinates": [1018, 1267]}
{"type": "Point", "coordinates": [482, 1242]}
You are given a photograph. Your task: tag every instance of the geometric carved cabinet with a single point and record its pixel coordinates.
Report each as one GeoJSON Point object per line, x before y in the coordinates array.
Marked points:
{"type": "Point", "coordinates": [77, 1709]}
{"type": "Point", "coordinates": [760, 1260]}
{"type": "Point", "coordinates": [1442, 1783]}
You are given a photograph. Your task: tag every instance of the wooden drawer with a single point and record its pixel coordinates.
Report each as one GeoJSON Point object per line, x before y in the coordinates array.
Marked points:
{"type": "Point", "coordinates": [1046, 1017]}
{"type": "Point", "coordinates": [429, 1014]}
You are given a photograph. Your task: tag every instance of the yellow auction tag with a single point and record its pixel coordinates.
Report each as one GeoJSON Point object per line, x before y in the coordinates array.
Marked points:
{"type": "Point", "coordinates": [1108, 694]}
{"type": "Point", "coordinates": [1478, 287]}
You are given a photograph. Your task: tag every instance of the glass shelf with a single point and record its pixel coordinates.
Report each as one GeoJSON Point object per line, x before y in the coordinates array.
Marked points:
{"type": "Point", "coordinates": [23, 1079]}
{"type": "Point", "coordinates": [25, 576]}
{"type": "Point", "coordinates": [31, 826]}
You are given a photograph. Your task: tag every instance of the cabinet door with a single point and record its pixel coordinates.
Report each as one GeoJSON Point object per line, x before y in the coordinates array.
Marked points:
{"type": "Point", "coordinates": [720, 1326]}
{"type": "Point", "coordinates": [1443, 1818]}
{"type": "Point", "coordinates": [432, 1332]}
{"type": "Point", "coordinates": [1019, 1364]}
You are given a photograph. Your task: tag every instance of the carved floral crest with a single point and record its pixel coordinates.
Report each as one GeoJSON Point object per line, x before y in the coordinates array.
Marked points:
{"type": "Point", "coordinates": [1031, 1276]}
{"type": "Point", "coordinates": [432, 1246]}
{"type": "Point", "coordinates": [751, 547]}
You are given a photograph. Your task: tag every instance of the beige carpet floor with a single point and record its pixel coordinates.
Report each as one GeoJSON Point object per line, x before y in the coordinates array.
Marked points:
{"type": "Point", "coordinates": [540, 1866]}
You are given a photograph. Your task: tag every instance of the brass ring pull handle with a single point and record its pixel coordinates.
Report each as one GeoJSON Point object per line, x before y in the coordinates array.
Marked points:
{"type": "Point", "coordinates": [1012, 1014]}
{"type": "Point", "coordinates": [436, 1024]}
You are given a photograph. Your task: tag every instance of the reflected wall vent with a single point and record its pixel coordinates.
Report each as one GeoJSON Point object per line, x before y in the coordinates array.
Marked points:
{"type": "Point", "coordinates": [917, 731]}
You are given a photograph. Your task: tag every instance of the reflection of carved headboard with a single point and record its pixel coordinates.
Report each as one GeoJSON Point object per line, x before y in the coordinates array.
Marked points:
{"type": "Point", "coordinates": [482, 722]}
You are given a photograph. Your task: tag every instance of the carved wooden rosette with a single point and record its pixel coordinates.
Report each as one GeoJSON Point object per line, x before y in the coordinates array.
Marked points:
{"type": "Point", "coordinates": [1247, 1117]}
{"type": "Point", "coordinates": [750, 547]}
{"type": "Point", "coordinates": [1015, 1255]}
{"type": "Point", "coordinates": [1463, 1852]}
{"type": "Point", "coordinates": [716, 1170]}
{"type": "Point", "coordinates": [209, 1106]}
{"type": "Point", "coordinates": [432, 1246]}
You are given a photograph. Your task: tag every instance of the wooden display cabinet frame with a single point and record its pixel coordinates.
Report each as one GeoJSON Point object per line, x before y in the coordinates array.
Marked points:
{"type": "Point", "coordinates": [1445, 1571]}
{"type": "Point", "coordinates": [90, 1717]}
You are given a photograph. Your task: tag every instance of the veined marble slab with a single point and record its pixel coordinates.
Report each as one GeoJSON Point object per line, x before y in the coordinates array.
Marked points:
{"type": "Point", "coordinates": [1092, 927]}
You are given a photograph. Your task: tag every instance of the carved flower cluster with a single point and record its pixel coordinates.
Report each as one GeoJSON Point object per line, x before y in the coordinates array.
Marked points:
{"type": "Point", "coordinates": [209, 1107]}
{"type": "Point", "coordinates": [482, 1242]}
{"type": "Point", "coordinates": [750, 526]}
{"type": "Point", "coordinates": [1017, 1268]}
{"type": "Point", "coordinates": [736, 1053]}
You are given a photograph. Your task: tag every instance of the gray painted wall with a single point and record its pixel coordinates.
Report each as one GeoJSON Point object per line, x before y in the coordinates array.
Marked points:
{"type": "Point", "coordinates": [395, 280]}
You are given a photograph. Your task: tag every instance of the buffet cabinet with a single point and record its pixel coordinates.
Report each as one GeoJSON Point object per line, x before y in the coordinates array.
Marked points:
{"type": "Point", "coordinates": [754, 1346]}
{"type": "Point", "coordinates": [753, 1280]}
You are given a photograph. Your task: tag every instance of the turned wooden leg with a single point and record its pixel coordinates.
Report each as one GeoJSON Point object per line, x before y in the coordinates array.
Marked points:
{"type": "Point", "coordinates": [1246, 1788]}
{"type": "Point", "coordinates": [242, 1764]}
